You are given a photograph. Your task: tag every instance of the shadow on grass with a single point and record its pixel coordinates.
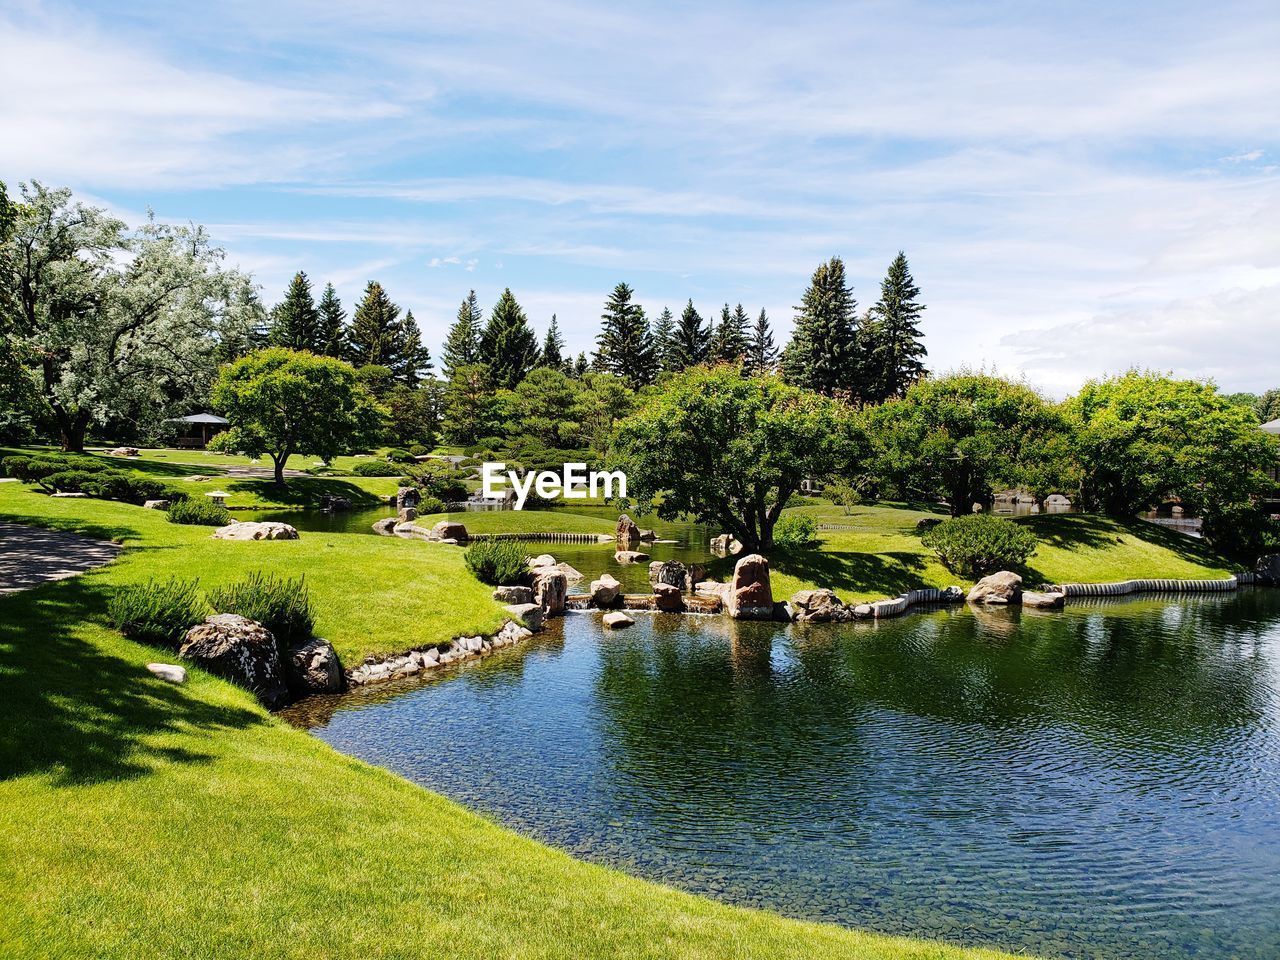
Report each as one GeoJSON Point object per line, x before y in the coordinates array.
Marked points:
{"type": "Point", "coordinates": [76, 713]}
{"type": "Point", "coordinates": [306, 491]}
{"type": "Point", "coordinates": [1076, 530]}
{"type": "Point", "coordinates": [885, 574]}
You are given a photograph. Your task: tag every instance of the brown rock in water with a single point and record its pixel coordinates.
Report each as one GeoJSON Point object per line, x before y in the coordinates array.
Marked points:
{"type": "Point", "coordinates": [605, 592]}
{"type": "Point", "coordinates": [669, 571]}
{"type": "Point", "coordinates": [750, 596]}
{"type": "Point", "coordinates": [668, 598]}
{"type": "Point", "coordinates": [818, 606]}
{"type": "Point", "coordinates": [313, 667]}
{"type": "Point", "coordinates": [449, 530]}
{"type": "Point", "coordinates": [1002, 587]}
{"type": "Point", "coordinates": [1045, 601]}
{"type": "Point", "coordinates": [240, 650]}
{"type": "Point", "coordinates": [617, 620]}
{"type": "Point", "coordinates": [630, 556]}
{"type": "Point", "coordinates": [549, 591]}
{"type": "Point", "coordinates": [627, 533]}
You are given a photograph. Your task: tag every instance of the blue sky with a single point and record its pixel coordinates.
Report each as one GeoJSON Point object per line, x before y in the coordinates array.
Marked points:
{"type": "Point", "coordinates": [1080, 187]}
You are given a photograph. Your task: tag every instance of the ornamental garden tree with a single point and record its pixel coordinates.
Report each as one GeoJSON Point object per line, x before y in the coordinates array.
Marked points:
{"type": "Point", "coordinates": [731, 450]}
{"type": "Point", "coordinates": [281, 402]}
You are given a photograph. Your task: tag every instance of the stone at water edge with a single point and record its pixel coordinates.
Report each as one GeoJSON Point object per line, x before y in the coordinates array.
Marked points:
{"type": "Point", "coordinates": [550, 588]}
{"type": "Point", "coordinates": [514, 594]}
{"type": "Point", "coordinates": [617, 620]}
{"type": "Point", "coordinates": [313, 667]}
{"type": "Point", "coordinates": [1267, 569]}
{"type": "Point", "coordinates": [256, 530]}
{"type": "Point", "coordinates": [240, 650]}
{"type": "Point", "coordinates": [818, 606]}
{"type": "Point", "coordinates": [1045, 601]}
{"type": "Point", "coordinates": [449, 530]}
{"type": "Point", "coordinates": [668, 598]}
{"type": "Point", "coordinates": [407, 497]}
{"type": "Point", "coordinates": [750, 596]}
{"type": "Point", "coordinates": [407, 514]}
{"type": "Point", "coordinates": [648, 536]}
{"type": "Point", "coordinates": [168, 671]}
{"type": "Point", "coordinates": [605, 592]}
{"type": "Point", "coordinates": [630, 556]}
{"type": "Point", "coordinates": [626, 533]}
{"type": "Point", "coordinates": [1002, 587]}
{"type": "Point", "coordinates": [385, 527]}
{"type": "Point", "coordinates": [669, 571]}
{"type": "Point", "coordinates": [530, 613]}
{"type": "Point", "coordinates": [711, 588]}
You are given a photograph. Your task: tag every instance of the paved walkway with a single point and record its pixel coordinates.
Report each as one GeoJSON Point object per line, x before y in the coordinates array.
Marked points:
{"type": "Point", "coordinates": [30, 556]}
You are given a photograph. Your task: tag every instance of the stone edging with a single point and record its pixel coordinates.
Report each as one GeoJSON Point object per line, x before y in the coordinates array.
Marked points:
{"type": "Point", "coordinates": [1122, 587]}
{"type": "Point", "coordinates": [401, 665]}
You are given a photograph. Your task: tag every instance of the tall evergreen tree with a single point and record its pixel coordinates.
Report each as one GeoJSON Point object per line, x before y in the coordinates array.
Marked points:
{"type": "Point", "coordinates": [333, 323]}
{"type": "Point", "coordinates": [729, 341]}
{"type": "Point", "coordinates": [581, 366]}
{"type": "Point", "coordinates": [664, 332]}
{"type": "Point", "coordinates": [295, 321]}
{"type": "Point", "coordinates": [822, 354]}
{"type": "Point", "coordinates": [625, 344]}
{"type": "Point", "coordinates": [462, 344]}
{"type": "Point", "coordinates": [411, 360]}
{"type": "Point", "coordinates": [507, 345]}
{"type": "Point", "coordinates": [690, 345]}
{"type": "Point", "coordinates": [893, 344]}
{"type": "Point", "coordinates": [374, 328]}
{"type": "Point", "coordinates": [553, 348]}
{"type": "Point", "coordinates": [762, 354]}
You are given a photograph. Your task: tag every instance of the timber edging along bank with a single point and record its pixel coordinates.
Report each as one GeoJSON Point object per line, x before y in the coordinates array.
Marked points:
{"type": "Point", "coordinates": [1147, 586]}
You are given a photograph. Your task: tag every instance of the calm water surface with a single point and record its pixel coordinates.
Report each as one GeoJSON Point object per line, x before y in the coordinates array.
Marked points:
{"type": "Point", "coordinates": [1103, 782]}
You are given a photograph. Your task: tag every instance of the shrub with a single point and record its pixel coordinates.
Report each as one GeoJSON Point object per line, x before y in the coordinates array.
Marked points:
{"type": "Point", "coordinates": [199, 511]}
{"type": "Point", "coordinates": [437, 479]}
{"type": "Point", "coordinates": [979, 544]}
{"type": "Point", "coordinates": [418, 450]}
{"type": "Point", "coordinates": [375, 468]}
{"type": "Point", "coordinates": [280, 605]}
{"type": "Point", "coordinates": [400, 456]}
{"type": "Point", "coordinates": [36, 468]}
{"type": "Point", "coordinates": [497, 562]}
{"type": "Point", "coordinates": [429, 504]}
{"type": "Point", "coordinates": [157, 612]}
{"type": "Point", "coordinates": [225, 442]}
{"type": "Point", "coordinates": [795, 530]}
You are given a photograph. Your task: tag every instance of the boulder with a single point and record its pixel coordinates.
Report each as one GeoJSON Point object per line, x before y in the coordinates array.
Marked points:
{"type": "Point", "coordinates": [386, 526]}
{"type": "Point", "coordinates": [617, 620]}
{"type": "Point", "coordinates": [952, 594]}
{"type": "Point", "coordinates": [239, 650]}
{"type": "Point", "coordinates": [863, 611]}
{"type": "Point", "coordinates": [1045, 601]}
{"type": "Point", "coordinates": [156, 505]}
{"type": "Point", "coordinates": [549, 591]}
{"type": "Point", "coordinates": [711, 589]}
{"type": "Point", "coordinates": [818, 606]}
{"type": "Point", "coordinates": [125, 452]}
{"type": "Point", "coordinates": [724, 545]}
{"type": "Point", "coordinates": [332, 503]}
{"type": "Point", "coordinates": [407, 497]}
{"type": "Point", "coordinates": [668, 598]}
{"type": "Point", "coordinates": [513, 594]}
{"type": "Point", "coordinates": [927, 523]}
{"type": "Point", "coordinates": [627, 533]}
{"type": "Point", "coordinates": [545, 562]}
{"type": "Point", "coordinates": [168, 671]}
{"type": "Point", "coordinates": [669, 571]}
{"type": "Point", "coordinates": [407, 514]}
{"type": "Point", "coordinates": [648, 536]}
{"type": "Point", "coordinates": [630, 556]}
{"type": "Point", "coordinates": [256, 530]}
{"type": "Point", "coordinates": [313, 667]}
{"type": "Point", "coordinates": [542, 560]}
{"type": "Point", "coordinates": [449, 530]}
{"type": "Point", "coordinates": [750, 596]}
{"type": "Point", "coordinates": [605, 591]}
{"type": "Point", "coordinates": [1268, 569]}
{"type": "Point", "coordinates": [528, 613]}
{"type": "Point", "coordinates": [1002, 587]}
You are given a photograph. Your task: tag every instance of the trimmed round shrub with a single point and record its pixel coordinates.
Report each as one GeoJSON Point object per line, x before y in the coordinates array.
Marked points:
{"type": "Point", "coordinates": [794, 530]}
{"type": "Point", "coordinates": [283, 606]}
{"type": "Point", "coordinates": [400, 456]}
{"type": "Point", "coordinates": [979, 544]}
{"type": "Point", "coordinates": [429, 505]}
{"type": "Point", "coordinates": [375, 468]}
{"type": "Point", "coordinates": [34, 469]}
{"type": "Point", "coordinates": [156, 612]}
{"type": "Point", "coordinates": [199, 512]}
{"type": "Point", "coordinates": [225, 442]}
{"type": "Point", "coordinates": [500, 563]}
{"type": "Point", "coordinates": [418, 450]}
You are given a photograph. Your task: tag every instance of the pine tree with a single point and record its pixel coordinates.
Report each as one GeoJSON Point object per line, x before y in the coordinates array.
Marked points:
{"type": "Point", "coordinates": [553, 348]}
{"type": "Point", "coordinates": [821, 355]}
{"type": "Point", "coordinates": [664, 331]}
{"type": "Point", "coordinates": [762, 354]}
{"type": "Point", "coordinates": [690, 344]}
{"type": "Point", "coordinates": [374, 328]}
{"type": "Point", "coordinates": [893, 344]}
{"type": "Point", "coordinates": [462, 344]}
{"type": "Point", "coordinates": [507, 345]}
{"type": "Point", "coordinates": [411, 360]}
{"type": "Point", "coordinates": [295, 321]}
{"type": "Point", "coordinates": [625, 345]}
{"type": "Point", "coordinates": [729, 341]}
{"type": "Point", "coordinates": [333, 323]}
{"type": "Point", "coordinates": [580, 366]}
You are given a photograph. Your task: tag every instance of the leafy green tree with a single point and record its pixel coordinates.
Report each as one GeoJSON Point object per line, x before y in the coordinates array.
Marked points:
{"type": "Point", "coordinates": [729, 340]}
{"type": "Point", "coordinates": [625, 344]}
{"type": "Point", "coordinates": [731, 450]}
{"type": "Point", "coordinates": [552, 355]}
{"type": "Point", "coordinates": [542, 405]}
{"type": "Point", "coordinates": [762, 354]}
{"type": "Point", "coordinates": [333, 323]}
{"type": "Point", "coordinates": [411, 360]}
{"type": "Point", "coordinates": [894, 347]}
{"type": "Point", "coordinates": [507, 346]}
{"type": "Point", "coordinates": [243, 325]}
{"type": "Point", "coordinates": [471, 409]}
{"type": "Point", "coordinates": [960, 436]}
{"type": "Point", "coordinates": [664, 332]}
{"type": "Point", "coordinates": [109, 321]}
{"type": "Point", "coordinates": [1145, 439]}
{"type": "Point", "coordinates": [374, 328]}
{"type": "Point", "coordinates": [602, 400]}
{"type": "Point", "coordinates": [822, 353]}
{"type": "Point", "coordinates": [281, 402]}
{"type": "Point", "coordinates": [581, 366]}
{"type": "Point", "coordinates": [692, 341]}
{"type": "Point", "coordinates": [1268, 406]}
{"type": "Point", "coordinates": [462, 344]}
{"type": "Point", "coordinates": [295, 321]}
{"type": "Point", "coordinates": [415, 413]}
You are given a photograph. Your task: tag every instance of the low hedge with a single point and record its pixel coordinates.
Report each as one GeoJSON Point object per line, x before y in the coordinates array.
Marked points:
{"type": "Point", "coordinates": [979, 544]}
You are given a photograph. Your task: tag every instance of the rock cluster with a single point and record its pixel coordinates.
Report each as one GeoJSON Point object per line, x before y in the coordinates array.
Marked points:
{"type": "Point", "coordinates": [256, 530]}
{"type": "Point", "coordinates": [819, 606]}
{"type": "Point", "coordinates": [546, 563]}
{"type": "Point", "coordinates": [416, 661]}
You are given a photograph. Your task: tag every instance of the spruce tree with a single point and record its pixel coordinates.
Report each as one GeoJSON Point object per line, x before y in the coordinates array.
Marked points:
{"type": "Point", "coordinates": [333, 323]}
{"type": "Point", "coordinates": [581, 366]}
{"type": "Point", "coordinates": [507, 345]}
{"type": "Point", "coordinates": [664, 331]}
{"type": "Point", "coordinates": [462, 343]}
{"type": "Point", "coordinates": [374, 328]}
{"type": "Point", "coordinates": [729, 341]}
{"type": "Point", "coordinates": [295, 321]}
{"type": "Point", "coordinates": [553, 348]}
{"type": "Point", "coordinates": [762, 354]}
{"type": "Point", "coordinates": [821, 355]}
{"type": "Point", "coordinates": [625, 344]}
{"type": "Point", "coordinates": [410, 361]}
{"type": "Point", "coordinates": [894, 346]}
{"type": "Point", "coordinates": [690, 344]}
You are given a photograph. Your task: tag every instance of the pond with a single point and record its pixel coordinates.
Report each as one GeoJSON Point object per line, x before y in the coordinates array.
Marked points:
{"type": "Point", "coordinates": [1101, 782]}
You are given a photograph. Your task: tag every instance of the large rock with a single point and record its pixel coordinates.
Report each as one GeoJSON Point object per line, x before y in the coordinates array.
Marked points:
{"type": "Point", "coordinates": [407, 514]}
{"type": "Point", "coordinates": [529, 613]}
{"type": "Point", "coordinates": [617, 620]}
{"type": "Point", "coordinates": [408, 498]}
{"type": "Point", "coordinates": [155, 505]}
{"type": "Point", "coordinates": [1002, 587]}
{"type": "Point", "coordinates": [546, 563]}
{"type": "Point", "coordinates": [125, 452]}
{"type": "Point", "coordinates": [549, 591]}
{"type": "Point", "coordinates": [313, 667]}
{"type": "Point", "coordinates": [648, 536]}
{"type": "Point", "coordinates": [750, 596]}
{"type": "Point", "coordinates": [241, 651]}
{"type": "Point", "coordinates": [712, 590]}
{"type": "Point", "coordinates": [668, 598]}
{"type": "Point", "coordinates": [818, 606]}
{"type": "Point", "coordinates": [168, 671]}
{"type": "Point", "coordinates": [513, 594]}
{"type": "Point", "coordinates": [449, 530]}
{"type": "Point", "coordinates": [669, 571]}
{"type": "Point", "coordinates": [386, 526]}
{"type": "Point", "coordinates": [630, 556]}
{"type": "Point", "coordinates": [1268, 569]}
{"type": "Point", "coordinates": [627, 533]}
{"type": "Point", "coordinates": [256, 530]}
{"type": "Point", "coordinates": [605, 592]}
{"type": "Point", "coordinates": [1045, 601]}
{"type": "Point", "coordinates": [725, 544]}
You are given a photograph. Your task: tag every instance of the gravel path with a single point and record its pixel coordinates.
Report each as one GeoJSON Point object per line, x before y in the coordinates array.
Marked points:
{"type": "Point", "coordinates": [30, 556]}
